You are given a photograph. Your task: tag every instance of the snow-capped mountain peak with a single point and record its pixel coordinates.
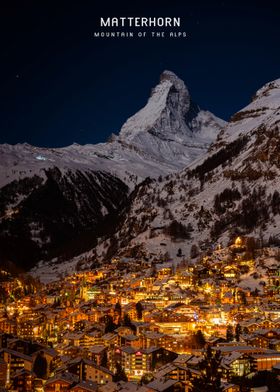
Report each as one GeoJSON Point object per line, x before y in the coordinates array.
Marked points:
{"type": "Point", "coordinates": [269, 90]}
{"type": "Point", "coordinates": [169, 115]}
{"type": "Point", "coordinates": [166, 135]}
{"type": "Point", "coordinates": [264, 108]}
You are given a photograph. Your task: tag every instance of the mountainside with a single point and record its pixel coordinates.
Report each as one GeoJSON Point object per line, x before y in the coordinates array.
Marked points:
{"type": "Point", "coordinates": [58, 201]}
{"type": "Point", "coordinates": [57, 214]}
{"type": "Point", "coordinates": [233, 189]}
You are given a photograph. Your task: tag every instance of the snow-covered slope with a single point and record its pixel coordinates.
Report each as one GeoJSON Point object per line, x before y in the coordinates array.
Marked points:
{"type": "Point", "coordinates": [164, 136]}
{"type": "Point", "coordinates": [232, 189]}
{"type": "Point", "coordinates": [264, 108]}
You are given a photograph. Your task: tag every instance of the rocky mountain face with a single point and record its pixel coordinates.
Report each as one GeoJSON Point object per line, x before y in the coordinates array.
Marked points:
{"type": "Point", "coordinates": [233, 189]}
{"type": "Point", "coordinates": [58, 201]}
{"type": "Point", "coordinates": [171, 129]}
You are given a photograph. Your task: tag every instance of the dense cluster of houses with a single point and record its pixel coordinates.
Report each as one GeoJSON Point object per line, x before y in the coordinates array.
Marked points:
{"type": "Point", "coordinates": [134, 326]}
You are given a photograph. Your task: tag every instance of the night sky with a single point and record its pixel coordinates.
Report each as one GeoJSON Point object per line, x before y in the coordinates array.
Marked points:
{"type": "Point", "coordinates": [60, 85]}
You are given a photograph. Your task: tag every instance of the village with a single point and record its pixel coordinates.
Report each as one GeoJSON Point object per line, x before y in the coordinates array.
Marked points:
{"type": "Point", "coordinates": [148, 327]}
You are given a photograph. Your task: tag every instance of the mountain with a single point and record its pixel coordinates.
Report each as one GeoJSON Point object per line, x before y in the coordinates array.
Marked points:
{"type": "Point", "coordinates": [166, 135]}
{"type": "Point", "coordinates": [171, 129]}
{"type": "Point", "coordinates": [232, 190]}
{"type": "Point", "coordinates": [58, 201]}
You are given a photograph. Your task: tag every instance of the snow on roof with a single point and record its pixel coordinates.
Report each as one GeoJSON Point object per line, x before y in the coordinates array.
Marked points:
{"type": "Point", "coordinates": [96, 349]}
{"type": "Point", "coordinates": [86, 385]}
{"type": "Point", "coordinates": [160, 385]}
{"type": "Point", "coordinates": [229, 359]}
{"type": "Point", "coordinates": [164, 370]}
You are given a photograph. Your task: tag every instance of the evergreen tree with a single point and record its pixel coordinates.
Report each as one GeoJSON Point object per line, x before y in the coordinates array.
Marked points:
{"type": "Point", "coordinates": [118, 309]}
{"type": "Point", "coordinates": [127, 322]}
{"type": "Point", "coordinates": [104, 360]}
{"type": "Point", "coordinates": [153, 271]}
{"type": "Point", "coordinates": [238, 331]}
{"type": "Point", "coordinates": [198, 340]}
{"type": "Point", "coordinates": [273, 382]}
{"type": "Point", "coordinates": [119, 373]}
{"type": "Point", "coordinates": [110, 326]}
{"type": "Point", "coordinates": [210, 376]}
{"type": "Point", "coordinates": [179, 253]}
{"type": "Point", "coordinates": [251, 246]}
{"type": "Point", "coordinates": [52, 367]}
{"type": "Point", "coordinates": [243, 382]}
{"type": "Point", "coordinates": [256, 292]}
{"type": "Point", "coordinates": [40, 366]}
{"type": "Point", "coordinates": [177, 230]}
{"type": "Point", "coordinates": [139, 310]}
{"type": "Point", "coordinates": [246, 330]}
{"type": "Point", "coordinates": [229, 334]}
{"type": "Point", "coordinates": [146, 378]}
{"type": "Point", "coordinates": [242, 297]}
{"type": "Point", "coordinates": [194, 251]}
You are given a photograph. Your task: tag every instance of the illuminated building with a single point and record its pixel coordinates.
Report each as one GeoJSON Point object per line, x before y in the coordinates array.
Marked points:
{"type": "Point", "coordinates": [16, 361]}
{"type": "Point", "coordinates": [3, 372]}
{"type": "Point", "coordinates": [86, 369]}
{"type": "Point", "coordinates": [238, 241]}
{"type": "Point", "coordinates": [61, 382]}
{"type": "Point", "coordinates": [138, 362]}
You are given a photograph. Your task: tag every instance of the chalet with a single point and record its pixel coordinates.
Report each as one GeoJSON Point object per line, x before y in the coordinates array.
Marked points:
{"type": "Point", "coordinates": [159, 385]}
{"type": "Point", "coordinates": [266, 360]}
{"type": "Point", "coordinates": [153, 339]}
{"type": "Point", "coordinates": [137, 362]}
{"type": "Point", "coordinates": [88, 370]}
{"type": "Point", "coordinates": [226, 387]}
{"type": "Point", "coordinates": [85, 386]}
{"type": "Point", "coordinates": [130, 340]}
{"type": "Point", "coordinates": [236, 364]}
{"type": "Point", "coordinates": [3, 372]}
{"type": "Point", "coordinates": [109, 339]}
{"type": "Point", "coordinates": [97, 353]}
{"type": "Point", "coordinates": [16, 361]}
{"type": "Point", "coordinates": [265, 338]}
{"type": "Point", "coordinates": [24, 381]}
{"type": "Point", "coordinates": [8, 326]}
{"type": "Point", "coordinates": [230, 271]}
{"type": "Point", "coordinates": [61, 382]}
{"type": "Point", "coordinates": [174, 371]}
{"type": "Point", "coordinates": [51, 356]}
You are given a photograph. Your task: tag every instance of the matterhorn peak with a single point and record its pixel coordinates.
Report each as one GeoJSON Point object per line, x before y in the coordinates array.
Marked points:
{"type": "Point", "coordinates": [164, 112]}
{"type": "Point", "coordinates": [174, 79]}
{"type": "Point", "coordinates": [179, 89]}
{"type": "Point", "coordinates": [166, 74]}
{"type": "Point", "coordinates": [169, 116]}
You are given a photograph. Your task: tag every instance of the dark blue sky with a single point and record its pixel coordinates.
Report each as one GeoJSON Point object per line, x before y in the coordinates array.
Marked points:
{"type": "Point", "coordinates": [59, 85]}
